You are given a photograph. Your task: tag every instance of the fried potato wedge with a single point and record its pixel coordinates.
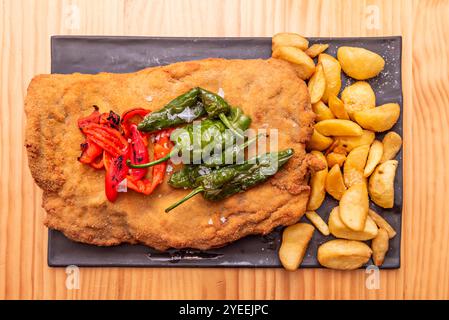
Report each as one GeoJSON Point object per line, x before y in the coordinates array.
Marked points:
{"type": "Point", "coordinates": [317, 183]}
{"type": "Point", "coordinates": [374, 156]}
{"type": "Point", "coordinates": [340, 230]}
{"type": "Point", "coordinates": [317, 84]}
{"type": "Point", "coordinates": [335, 185]}
{"type": "Point", "coordinates": [319, 142]}
{"type": "Point", "coordinates": [288, 39]}
{"type": "Point", "coordinates": [354, 166]}
{"type": "Point", "coordinates": [381, 184]}
{"type": "Point", "coordinates": [332, 72]}
{"type": "Point", "coordinates": [382, 223]}
{"type": "Point", "coordinates": [357, 97]}
{"type": "Point", "coordinates": [338, 107]}
{"type": "Point", "coordinates": [334, 158]}
{"type": "Point", "coordinates": [338, 127]}
{"type": "Point", "coordinates": [392, 143]}
{"type": "Point", "coordinates": [305, 66]}
{"type": "Point", "coordinates": [379, 246]}
{"type": "Point", "coordinates": [295, 240]}
{"type": "Point", "coordinates": [322, 111]}
{"type": "Point", "coordinates": [378, 119]}
{"type": "Point", "coordinates": [350, 143]}
{"type": "Point", "coordinates": [318, 222]}
{"type": "Point", "coordinates": [360, 63]}
{"type": "Point", "coordinates": [343, 254]}
{"type": "Point", "coordinates": [315, 49]}
{"type": "Point", "coordinates": [354, 205]}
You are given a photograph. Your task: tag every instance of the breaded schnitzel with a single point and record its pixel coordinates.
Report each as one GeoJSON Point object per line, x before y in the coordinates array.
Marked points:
{"type": "Point", "coordinates": [267, 90]}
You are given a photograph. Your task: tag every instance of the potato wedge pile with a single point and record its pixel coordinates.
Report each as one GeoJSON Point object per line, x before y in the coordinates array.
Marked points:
{"type": "Point", "coordinates": [359, 168]}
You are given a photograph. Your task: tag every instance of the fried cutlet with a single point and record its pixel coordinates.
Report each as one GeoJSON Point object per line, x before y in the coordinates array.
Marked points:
{"type": "Point", "coordinates": [73, 193]}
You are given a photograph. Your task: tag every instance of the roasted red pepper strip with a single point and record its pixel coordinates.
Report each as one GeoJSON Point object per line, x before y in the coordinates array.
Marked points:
{"type": "Point", "coordinates": [115, 174]}
{"type": "Point", "coordinates": [107, 158]}
{"type": "Point", "coordinates": [97, 163]}
{"type": "Point", "coordinates": [162, 146]}
{"type": "Point", "coordinates": [128, 115]}
{"type": "Point", "coordinates": [94, 117]}
{"type": "Point", "coordinates": [138, 152]}
{"type": "Point", "coordinates": [89, 152]}
{"type": "Point", "coordinates": [110, 119]}
{"type": "Point", "coordinates": [107, 138]}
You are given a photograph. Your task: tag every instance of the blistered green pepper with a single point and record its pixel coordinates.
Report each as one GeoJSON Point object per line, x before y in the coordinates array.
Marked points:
{"type": "Point", "coordinates": [226, 181]}
{"type": "Point", "coordinates": [205, 143]}
{"type": "Point", "coordinates": [183, 109]}
{"type": "Point", "coordinates": [190, 106]}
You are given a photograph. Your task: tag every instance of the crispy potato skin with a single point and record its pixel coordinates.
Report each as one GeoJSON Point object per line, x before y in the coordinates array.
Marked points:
{"type": "Point", "coordinates": [317, 84]}
{"type": "Point", "coordinates": [343, 254]}
{"type": "Point", "coordinates": [380, 246]}
{"type": "Point", "coordinates": [360, 63]}
{"type": "Point", "coordinates": [319, 142]}
{"type": "Point", "coordinates": [378, 119]}
{"type": "Point", "coordinates": [340, 230]}
{"type": "Point", "coordinates": [318, 222]}
{"type": "Point", "coordinates": [381, 184]}
{"type": "Point", "coordinates": [73, 194]}
{"type": "Point", "coordinates": [289, 39]}
{"type": "Point", "coordinates": [332, 72]}
{"type": "Point", "coordinates": [295, 240]}
{"type": "Point", "coordinates": [315, 49]}
{"type": "Point", "coordinates": [354, 205]}
{"type": "Point", "coordinates": [335, 185]}
{"type": "Point", "coordinates": [338, 127]}
{"type": "Point", "coordinates": [317, 184]}
{"type": "Point", "coordinates": [382, 223]}
{"type": "Point", "coordinates": [322, 111]}
{"type": "Point", "coordinates": [358, 96]}
{"type": "Point", "coordinates": [392, 143]}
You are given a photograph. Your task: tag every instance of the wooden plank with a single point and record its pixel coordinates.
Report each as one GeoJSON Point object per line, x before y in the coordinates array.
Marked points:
{"type": "Point", "coordinates": [25, 28]}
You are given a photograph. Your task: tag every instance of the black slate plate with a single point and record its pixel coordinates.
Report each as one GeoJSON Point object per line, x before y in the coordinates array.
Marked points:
{"type": "Point", "coordinates": [127, 54]}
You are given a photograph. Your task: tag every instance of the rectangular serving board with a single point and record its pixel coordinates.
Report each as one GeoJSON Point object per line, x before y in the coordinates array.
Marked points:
{"type": "Point", "coordinates": [93, 54]}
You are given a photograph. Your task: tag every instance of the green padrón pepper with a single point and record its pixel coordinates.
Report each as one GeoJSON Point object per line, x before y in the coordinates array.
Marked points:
{"type": "Point", "coordinates": [188, 107]}
{"type": "Point", "coordinates": [201, 142]}
{"type": "Point", "coordinates": [183, 109]}
{"type": "Point", "coordinates": [226, 181]}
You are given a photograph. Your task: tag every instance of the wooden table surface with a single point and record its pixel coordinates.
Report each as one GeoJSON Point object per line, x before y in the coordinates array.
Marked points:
{"type": "Point", "coordinates": [25, 30]}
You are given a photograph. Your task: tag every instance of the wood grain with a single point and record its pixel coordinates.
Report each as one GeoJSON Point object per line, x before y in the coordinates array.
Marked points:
{"type": "Point", "coordinates": [25, 28]}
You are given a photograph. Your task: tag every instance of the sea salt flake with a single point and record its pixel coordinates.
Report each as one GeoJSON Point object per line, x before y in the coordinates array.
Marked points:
{"type": "Point", "coordinates": [149, 98]}
{"type": "Point", "coordinates": [187, 115]}
{"type": "Point", "coordinates": [210, 221]}
{"type": "Point", "coordinates": [221, 92]}
{"type": "Point", "coordinates": [203, 171]}
{"type": "Point", "coordinates": [223, 219]}
{"type": "Point", "coordinates": [169, 168]}
{"type": "Point", "coordinates": [122, 186]}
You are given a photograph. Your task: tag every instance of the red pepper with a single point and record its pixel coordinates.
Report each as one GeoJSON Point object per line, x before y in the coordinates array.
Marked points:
{"type": "Point", "coordinates": [97, 163]}
{"type": "Point", "coordinates": [162, 147]}
{"type": "Point", "coordinates": [138, 153]}
{"type": "Point", "coordinates": [110, 119]}
{"type": "Point", "coordinates": [94, 117]}
{"type": "Point", "coordinates": [89, 152]}
{"type": "Point", "coordinates": [128, 115]}
{"type": "Point", "coordinates": [106, 147]}
{"type": "Point", "coordinates": [115, 174]}
{"type": "Point", "coordinates": [107, 138]}
{"type": "Point", "coordinates": [107, 158]}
